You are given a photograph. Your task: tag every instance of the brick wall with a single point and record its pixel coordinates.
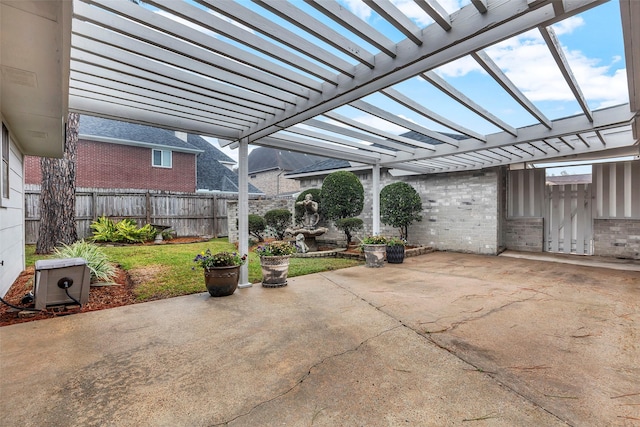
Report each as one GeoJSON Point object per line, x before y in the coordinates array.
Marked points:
{"type": "Point", "coordinates": [524, 234]}
{"type": "Point", "coordinates": [257, 207]}
{"type": "Point", "coordinates": [102, 165]}
{"type": "Point", "coordinates": [460, 210]}
{"type": "Point", "coordinates": [273, 182]}
{"type": "Point", "coordinates": [618, 238]}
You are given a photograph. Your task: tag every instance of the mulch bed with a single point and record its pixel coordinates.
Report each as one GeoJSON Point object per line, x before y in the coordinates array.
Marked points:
{"type": "Point", "coordinates": [100, 297]}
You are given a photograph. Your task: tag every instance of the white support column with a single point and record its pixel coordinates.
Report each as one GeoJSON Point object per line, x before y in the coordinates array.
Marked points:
{"type": "Point", "coordinates": [243, 209]}
{"type": "Point", "coordinates": [375, 197]}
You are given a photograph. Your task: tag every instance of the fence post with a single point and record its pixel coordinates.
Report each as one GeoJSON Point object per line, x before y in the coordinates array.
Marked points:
{"type": "Point", "coordinates": [147, 207]}
{"type": "Point", "coordinates": [215, 217]}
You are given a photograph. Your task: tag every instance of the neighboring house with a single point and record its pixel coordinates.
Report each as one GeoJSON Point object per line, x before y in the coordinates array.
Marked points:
{"type": "Point", "coordinates": [489, 210]}
{"type": "Point", "coordinates": [119, 155]}
{"type": "Point", "coordinates": [268, 166]}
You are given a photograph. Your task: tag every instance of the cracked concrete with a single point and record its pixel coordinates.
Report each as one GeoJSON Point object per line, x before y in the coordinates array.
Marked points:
{"type": "Point", "coordinates": [443, 339]}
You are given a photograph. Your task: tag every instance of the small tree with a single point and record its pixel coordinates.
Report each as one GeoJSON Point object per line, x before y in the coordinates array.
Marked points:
{"type": "Point", "coordinates": [257, 226]}
{"type": "Point", "coordinates": [342, 196]}
{"type": "Point", "coordinates": [349, 226]}
{"type": "Point", "coordinates": [400, 205]}
{"type": "Point", "coordinates": [278, 220]}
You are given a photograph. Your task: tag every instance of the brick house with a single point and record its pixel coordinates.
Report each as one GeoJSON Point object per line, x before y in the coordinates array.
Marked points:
{"type": "Point", "coordinates": [268, 166]}
{"type": "Point", "coordinates": [119, 155]}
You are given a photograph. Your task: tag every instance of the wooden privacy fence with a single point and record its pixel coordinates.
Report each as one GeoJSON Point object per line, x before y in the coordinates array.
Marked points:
{"type": "Point", "coordinates": [189, 214]}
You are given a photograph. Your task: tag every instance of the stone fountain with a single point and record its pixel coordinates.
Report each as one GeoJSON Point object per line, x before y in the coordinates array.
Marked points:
{"type": "Point", "coordinates": [306, 235]}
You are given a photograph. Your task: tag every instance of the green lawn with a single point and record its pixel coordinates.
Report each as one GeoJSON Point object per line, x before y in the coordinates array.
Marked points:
{"type": "Point", "coordinates": [167, 269]}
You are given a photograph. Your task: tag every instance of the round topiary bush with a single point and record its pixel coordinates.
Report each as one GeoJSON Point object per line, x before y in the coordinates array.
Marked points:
{"type": "Point", "coordinates": [278, 220]}
{"type": "Point", "coordinates": [342, 195]}
{"type": "Point", "coordinates": [257, 226]}
{"type": "Point", "coordinates": [400, 205]}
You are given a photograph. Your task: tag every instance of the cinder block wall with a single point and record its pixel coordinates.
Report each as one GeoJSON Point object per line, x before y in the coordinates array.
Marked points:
{"type": "Point", "coordinates": [257, 207]}
{"type": "Point", "coordinates": [524, 234]}
{"type": "Point", "coordinates": [617, 238]}
{"type": "Point", "coordinates": [460, 210]}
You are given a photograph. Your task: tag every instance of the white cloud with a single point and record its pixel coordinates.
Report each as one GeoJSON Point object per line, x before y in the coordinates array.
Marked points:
{"type": "Point", "coordinates": [528, 63]}
{"type": "Point", "coordinates": [359, 8]}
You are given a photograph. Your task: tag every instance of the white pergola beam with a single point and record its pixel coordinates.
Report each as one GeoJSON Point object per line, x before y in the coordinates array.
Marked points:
{"type": "Point", "coordinates": [501, 78]}
{"type": "Point", "coordinates": [190, 35]}
{"type": "Point", "coordinates": [353, 23]}
{"type": "Point", "coordinates": [309, 147]}
{"type": "Point", "coordinates": [549, 36]}
{"type": "Point", "coordinates": [341, 141]}
{"type": "Point", "coordinates": [397, 18]}
{"type": "Point", "coordinates": [463, 99]}
{"type": "Point", "coordinates": [366, 137]}
{"type": "Point", "coordinates": [265, 26]}
{"type": "Point", "coordinates": [170, 77]}
{"type": "Point", "coordinates": [436, 12]}
{"type": "Point", "coordinates": [473, 34]}
{"type": "Point", "coordinates": [427, 113]}
{"type": "Point", "coordinates": [386, 115]}
{"type": "Point", "coordinates": [234, 32]}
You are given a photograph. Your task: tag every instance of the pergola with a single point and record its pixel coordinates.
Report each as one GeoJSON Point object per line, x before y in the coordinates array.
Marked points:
{"type": "Point", "coordinates": [275, 73]}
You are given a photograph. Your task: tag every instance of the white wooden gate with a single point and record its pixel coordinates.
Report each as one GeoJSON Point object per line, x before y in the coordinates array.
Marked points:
{"type": "Point", "coordinates": [569, 223]}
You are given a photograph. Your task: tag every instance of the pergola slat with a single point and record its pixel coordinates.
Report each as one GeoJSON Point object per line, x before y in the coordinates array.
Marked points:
{"type": "Point", "coordinates": [341, 141]}
{"type": "Point", "coordinates": [549, 36]}
{"type": "Point", "coordinates": [501, 78]}
{"type": "Point", "coordinates": [395, 17]}
{"type": "Point", "coordinates": [357, 26]}
{"type": "Point", "coordinates": [436, 12]}
{"type": "Point", "coordinates": [268, 28]}
{"type": "Point", "coordinates": [234, 32]}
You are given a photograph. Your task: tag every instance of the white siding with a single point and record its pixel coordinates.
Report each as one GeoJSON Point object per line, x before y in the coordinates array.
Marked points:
{"type": "Point", "coordinates": [617, 189]}
{"type": "Point", "coordinates": [12, 223]}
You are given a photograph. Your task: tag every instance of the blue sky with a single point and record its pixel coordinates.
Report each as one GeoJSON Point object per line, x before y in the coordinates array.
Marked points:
{"type": "Point", "coordinates": [592, 43]}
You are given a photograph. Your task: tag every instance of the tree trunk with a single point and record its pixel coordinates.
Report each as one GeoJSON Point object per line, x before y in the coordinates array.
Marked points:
{"type": "Point", "coordinates": [58, 194]}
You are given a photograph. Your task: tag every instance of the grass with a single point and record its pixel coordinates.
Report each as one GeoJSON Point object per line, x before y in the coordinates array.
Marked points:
{"type": "Point", "coordinates": [166, 270]}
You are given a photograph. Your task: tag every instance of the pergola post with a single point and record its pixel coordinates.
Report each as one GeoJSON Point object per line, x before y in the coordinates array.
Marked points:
{"type": "Point", "coordinates": [243, 209]}
{"type": "Point", "coordinates": [375, 197]}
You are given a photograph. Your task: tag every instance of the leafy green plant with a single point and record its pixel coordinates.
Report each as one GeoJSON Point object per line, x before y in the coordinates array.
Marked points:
{"type": "Point", "coordinates": [257, 226]}
{"type": "Point", "coordinates": [99, 266]}
{"type": "Point", "coordinates": [208, 260]}
{"type": "Point", "coordinates": [400, 206]}
{"type": "Point", "coordinates": [104, 229]}
{"type": "Point", "coordinates": [394, 241]}
{"type": "Point", "coordinates": [278, 220]}
{"type": "Point", "coordinates": [372, 240]}
{"type": "Point", "coordinates": [126, 230]}
{"type": "Point", "coordinates": [342, 196]}
{"type": "Point", "coordinates": [276, 248]}
{"type": "Point", "coordinates": [349, 226]}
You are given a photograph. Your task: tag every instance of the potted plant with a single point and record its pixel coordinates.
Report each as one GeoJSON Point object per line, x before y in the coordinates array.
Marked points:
{"type": "Point", "coordinates": [395, 250]}
{"type": "Point", "coordinates": [221, 271]}
{"type": "Point", "coordinates": [374, 248]}
{"type": "Point", "coordinates": [274, 260]}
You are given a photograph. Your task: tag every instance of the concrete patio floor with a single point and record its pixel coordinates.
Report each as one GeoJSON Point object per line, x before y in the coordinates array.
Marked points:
{"type": "Point", "coordinates": [443, 339]}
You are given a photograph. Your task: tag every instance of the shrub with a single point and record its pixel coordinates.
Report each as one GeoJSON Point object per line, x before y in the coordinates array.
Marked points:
{"type": "Point", "coordinates": [400, 205]}
{"type": "Point", "coordinates": [299, 209]}
{"type": "Point", "coordinates": [99, 266]}
{"type": "Point", "coordinates": [349, 226]}
{"type": "Point", "coordinates": [278, 220]}
{"type": "Point", "coordinates": [342, 195]}
{"type": "Point", "coordinates": [126, 230]}
{"type": "Point", "coordinates": [257, 226]}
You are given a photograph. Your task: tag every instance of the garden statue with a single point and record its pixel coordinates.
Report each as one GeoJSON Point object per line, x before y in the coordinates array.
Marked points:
{"type": "Point", "coordinates": [311, 217]}
{"type": "Point", "coordinates": [307, 232]}
{"type": "Point", "coordinates": [300, 244]}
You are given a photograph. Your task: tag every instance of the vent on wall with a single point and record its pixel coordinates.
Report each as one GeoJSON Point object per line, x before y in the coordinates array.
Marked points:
{"type": "Point", "coordinates": [61, 281]}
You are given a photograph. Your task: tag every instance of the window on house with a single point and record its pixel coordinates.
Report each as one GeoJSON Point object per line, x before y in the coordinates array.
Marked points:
{"type": "Point", "coordinates": [4, 178]}
{"type": "Point", "coordinates": [161, 158]}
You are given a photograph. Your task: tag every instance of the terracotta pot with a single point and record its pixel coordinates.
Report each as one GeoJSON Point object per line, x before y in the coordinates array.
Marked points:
{"type": "Point", "coordinates": [374, 255]}
{"type": "Point", "coordinates": [395, 254]}
{"type": "Point", "coordinates": [275, 270]}
{"type": "Point", "coordinates": [222, 281]}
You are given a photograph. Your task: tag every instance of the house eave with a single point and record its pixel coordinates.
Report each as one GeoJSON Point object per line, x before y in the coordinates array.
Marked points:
{"type": "Point", "coordinates": [138, 144]}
